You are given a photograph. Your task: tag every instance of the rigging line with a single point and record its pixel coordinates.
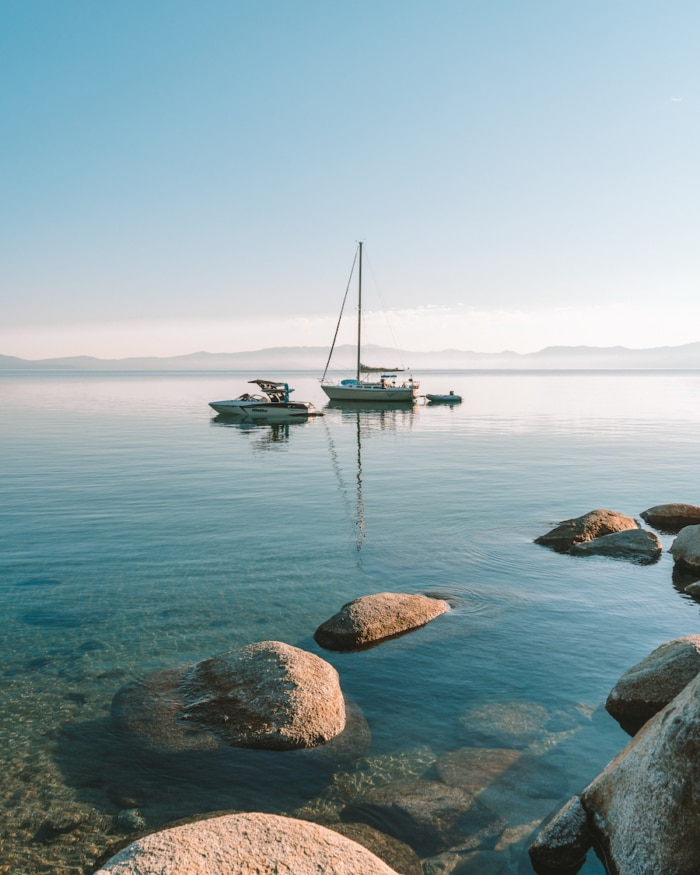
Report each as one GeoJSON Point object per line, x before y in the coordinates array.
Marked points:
{"type": "Point", "coordinates": [337, 327]}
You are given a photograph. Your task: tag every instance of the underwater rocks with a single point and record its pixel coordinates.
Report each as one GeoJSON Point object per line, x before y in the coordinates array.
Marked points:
{"type": "Point", "coordinates": [400, 856]}
{"type": "Point", "coordinates": [430, 815]}
{"type": "Point", "coordinates": [373, 618]}
{"type": "Point", "coordinates": [671, 518]}
{"type": "Point", "coordinates": [591, 525]}
{"type": "Point", "coordinates": [267, 695]}
{"type": "Point", "coordinates": [245, 843]}
{"type": "Point", "coordinates": [686, 548]}
{"type": "Point", "coordinates": [653, 682]}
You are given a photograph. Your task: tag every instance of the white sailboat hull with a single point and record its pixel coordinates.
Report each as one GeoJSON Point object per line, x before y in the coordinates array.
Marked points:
{"type": "Point", "coordinates": [369, 393]}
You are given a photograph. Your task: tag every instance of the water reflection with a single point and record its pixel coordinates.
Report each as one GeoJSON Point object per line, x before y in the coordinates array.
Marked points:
{"type": "Point", "coordinates": [366, 419]}
{"type": "Point", "coordinates": [263, 435]}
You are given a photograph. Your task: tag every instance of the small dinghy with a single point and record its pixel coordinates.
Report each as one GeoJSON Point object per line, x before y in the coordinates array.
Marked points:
{"type": "Point", "coordinates": [451, 398]}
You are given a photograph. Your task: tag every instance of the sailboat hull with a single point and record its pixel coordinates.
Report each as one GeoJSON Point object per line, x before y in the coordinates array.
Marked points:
{"type": "Point", "coordinates": [370, 394]}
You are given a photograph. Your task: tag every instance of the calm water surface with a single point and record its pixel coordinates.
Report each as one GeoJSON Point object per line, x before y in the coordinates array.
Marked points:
{"type": "Point", "coordinates": [140, 532]}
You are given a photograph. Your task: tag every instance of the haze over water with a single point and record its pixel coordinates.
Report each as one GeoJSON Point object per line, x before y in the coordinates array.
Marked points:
{"type": "Point", "coordinates": [139, 532]}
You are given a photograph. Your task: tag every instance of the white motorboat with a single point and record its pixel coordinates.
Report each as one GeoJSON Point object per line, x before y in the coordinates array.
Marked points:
{"type": "Point", "coordinates": [370, 384]}
{"type": "Point", "coordinates": [271, 403]}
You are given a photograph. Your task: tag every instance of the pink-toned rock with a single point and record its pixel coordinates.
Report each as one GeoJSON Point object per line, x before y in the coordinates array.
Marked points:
{"type": "Point", "coordinates": [374, 618]}
{"type": "Point", "coordinates": [591, 525]}
{"type": "Point", "coordinates": [267, 695]}
{"type": "Point", "coordinates": [246, 844]}
{"type": "Point", "coordinates": [686, 548]}
{"type": "Point", "coordinates": [672, 517]}
{"type": "Point", "coordinates": [654, 681]}
{"type": "Point", "coordinates": [644, 808]}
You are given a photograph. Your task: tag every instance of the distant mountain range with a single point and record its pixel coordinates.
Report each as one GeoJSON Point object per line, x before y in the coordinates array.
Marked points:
{"type": "Point", "coordinates": [313, 358]}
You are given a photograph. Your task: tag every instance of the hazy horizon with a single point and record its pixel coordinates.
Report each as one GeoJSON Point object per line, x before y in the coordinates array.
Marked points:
{"type": "Point", "coordinates": [183, 177]}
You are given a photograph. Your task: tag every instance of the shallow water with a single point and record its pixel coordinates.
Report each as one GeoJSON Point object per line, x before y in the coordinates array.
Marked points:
{"type": "Point", "coordinates": [138, 532]}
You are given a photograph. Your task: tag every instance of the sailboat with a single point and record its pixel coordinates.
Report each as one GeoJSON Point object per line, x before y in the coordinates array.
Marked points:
{"type": "Point", "coordinates": [370, 384]}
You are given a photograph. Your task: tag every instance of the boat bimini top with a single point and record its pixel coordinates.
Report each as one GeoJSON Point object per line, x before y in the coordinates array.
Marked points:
{"type": "Point", "coordinates": [276, 392]}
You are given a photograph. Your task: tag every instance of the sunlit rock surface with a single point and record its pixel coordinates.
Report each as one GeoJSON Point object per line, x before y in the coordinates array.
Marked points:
{"type": "Point", "coordinates": [645, 806]}
{"type": "Point", "coordinates": [653, 682]}
{"type": "Point", "coordinates": [246, 844]}
{"type": "Point", "coordinates": [591, 525]}
{"type": "Point", "coordinates": [266, 695]}
{"type": "Point", "coordinates": [686, 548]}
{"type": "Point", "coordinates": [671, 517]}
{"type": "Point", "coordinates": [373, 618]}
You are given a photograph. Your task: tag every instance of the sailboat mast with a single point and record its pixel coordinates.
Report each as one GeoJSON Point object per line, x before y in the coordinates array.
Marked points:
{"type": "Point", "coordinates": [359, 310]}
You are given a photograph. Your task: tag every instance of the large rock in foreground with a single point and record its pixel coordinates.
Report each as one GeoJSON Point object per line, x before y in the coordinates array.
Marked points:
{"type": "Point", "coordinates": [634, 545]}
{"type": "Point", "coordinates": [266, 695]}
{"type": "Point", "coordinates": [654, 681]}
{"type": "Point", "coordinates": [591, 525]}
{"type": "Point", "coordinates": [645, 806]}
{"type": "Point", "coordinates": [374, 618]}
{"type": "Point", "coordinates": [245, 844]}
{"type": "Point", "coordinates": [686, 548]}
{"type": "Point", "coordinates": [672, 517]}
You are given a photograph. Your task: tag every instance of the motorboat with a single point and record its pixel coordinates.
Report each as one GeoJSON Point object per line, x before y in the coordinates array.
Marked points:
{"type": "Point", "coordinates": [450, 398]}
{"type": "Point", "coordinates": [271, 403]}
{"type": "Point", "coordinates": [370, 384]}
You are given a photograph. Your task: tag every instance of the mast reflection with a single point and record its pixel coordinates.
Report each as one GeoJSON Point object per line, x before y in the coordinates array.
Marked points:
{"type": "Point", "coordinates": [366, 419]}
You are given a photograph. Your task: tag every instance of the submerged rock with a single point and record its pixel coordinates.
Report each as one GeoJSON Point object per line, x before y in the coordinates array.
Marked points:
{"type": "Point", "coordinates": [644, 807]}
{"type": "Point", "coordinates": [373, 618]}
{"type": "Point", "coordinates": [400, 856]}
{"type": "Point", "coordinates": [264, 844]}
{"type": "Point", "coordinates": [591, 525]}
{"type": "Point", "coordinates": [686, 548]}
{"type": "Point", "coordinates": [654, 681]}
{"type": "Point", "coordinates": [428, 815]}
{"type": "Point", "coordinates": [520, 725]}
{"type": "Point", "coordinates": [671, 517]}
{"type": "Point", "coordinates": [267, 695]}
{"type": "Point", "coordinates": [634, 545]}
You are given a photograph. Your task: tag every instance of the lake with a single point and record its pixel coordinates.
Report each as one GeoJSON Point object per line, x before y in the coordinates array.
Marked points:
{"type": "Point", "coordinates": [138, 531]}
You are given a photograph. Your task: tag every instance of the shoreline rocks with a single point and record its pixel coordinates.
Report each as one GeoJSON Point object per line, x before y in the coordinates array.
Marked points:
{"type": "Point", "coordinates": [641, 811]}
{"type": "Point", "coordinates": [635, 545]}
{"type": "Point", "coordinates": [644, 807]}
{"type": "Point", "coordinates": [686, 548]}
{"type": "Point", "coordinates": [653, 682]}
{"type": "Point", "coordinates": [671, 518]}
{"type": "Point", "coordinates": [591, 525]}
{"type": "Point", "coordinates": [370, 619]}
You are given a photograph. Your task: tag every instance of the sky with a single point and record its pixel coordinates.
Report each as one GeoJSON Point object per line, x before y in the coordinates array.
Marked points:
{"type": "Point", "coordinates": [186, 175]}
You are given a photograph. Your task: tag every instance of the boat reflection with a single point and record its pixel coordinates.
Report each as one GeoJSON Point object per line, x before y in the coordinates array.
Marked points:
{"type": "Point", "coordinates": [263, 436]}
{"type": "Point", "coordinates": [387, 407]}
{"type": "Point", "coordinates": [366, 419]}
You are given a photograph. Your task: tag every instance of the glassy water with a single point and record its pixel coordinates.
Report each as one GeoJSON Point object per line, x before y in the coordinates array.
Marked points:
{"type": "Point", "coordinates": [139, 532]}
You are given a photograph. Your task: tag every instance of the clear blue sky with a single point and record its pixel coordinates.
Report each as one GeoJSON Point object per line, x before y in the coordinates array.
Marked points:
{"type": "Point", "coordinates": [177, 176]}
